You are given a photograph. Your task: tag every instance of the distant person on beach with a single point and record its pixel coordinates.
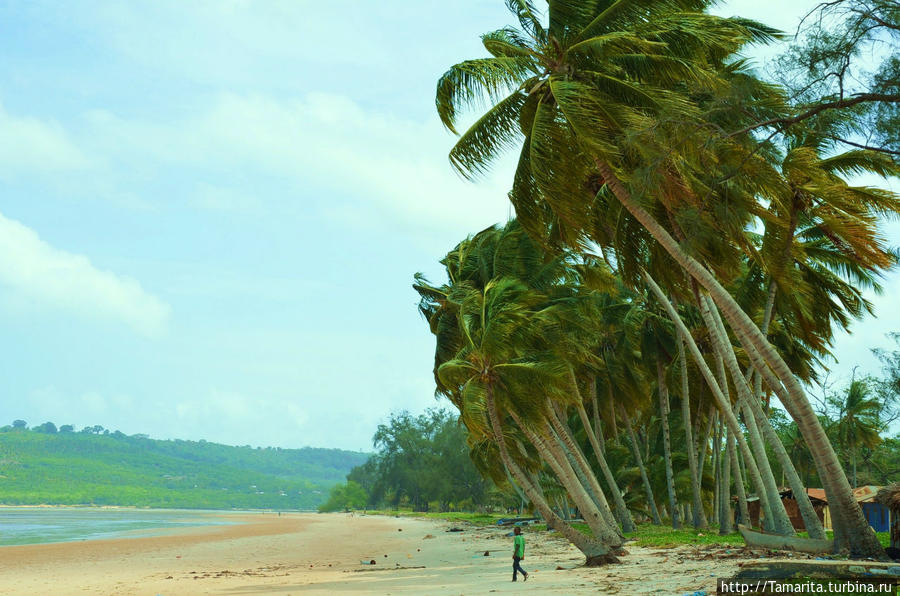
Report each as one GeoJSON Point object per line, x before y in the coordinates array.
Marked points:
{"type": "Point", "coordinates": [518, 554]}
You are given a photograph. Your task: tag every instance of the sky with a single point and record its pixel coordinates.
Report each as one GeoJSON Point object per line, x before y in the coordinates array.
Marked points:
{"type": "Point", "coordinates": [211, 212]}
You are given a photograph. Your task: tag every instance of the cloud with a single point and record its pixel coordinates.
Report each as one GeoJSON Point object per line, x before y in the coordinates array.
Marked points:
{"type": "Point", "coordinates": [322, 142]}
{"type": "Point", "coordinates": [855, 348]}
{"type": "Point", "coordinates": [234, 418]}
{"type": "Point", "coordinates": [209, 197]}
{"type": "Point", "coordinates": [236, 41]}
{"type": "Point", "coordinates": [31, 145]}
{"type": "Point", "coordinates": [40, 273]}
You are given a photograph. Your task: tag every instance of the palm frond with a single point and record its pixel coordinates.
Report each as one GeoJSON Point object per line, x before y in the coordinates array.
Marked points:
{"type": "Point", "coordinates": [529, 18]}
{"type": "Point", "coordinates": [472, 82]}
{"type": "Point", "coordinates": [494, 133]}
{"type": "Point", "coordinates": [506, 42]}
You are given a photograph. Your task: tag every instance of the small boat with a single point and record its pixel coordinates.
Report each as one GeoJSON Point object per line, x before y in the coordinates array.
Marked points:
{"type": "Point", "coordinates": [756, 539]}
{"type": "Point", "coordinates": [517, 521]}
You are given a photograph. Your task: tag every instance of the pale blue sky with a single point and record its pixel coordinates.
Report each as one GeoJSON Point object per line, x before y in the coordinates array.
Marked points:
{"type": "Point", "coordinates": [210, 212]}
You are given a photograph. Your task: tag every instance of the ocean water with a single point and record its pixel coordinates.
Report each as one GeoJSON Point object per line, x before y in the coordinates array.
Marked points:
{"type": "Point", "coordinates": [38, 525]}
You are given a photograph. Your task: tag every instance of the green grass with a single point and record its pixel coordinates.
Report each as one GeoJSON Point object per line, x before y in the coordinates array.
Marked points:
{"type": "Point", "coordinates": [666, 537]}
{"type": "Point", "coordinates": [476, 519]}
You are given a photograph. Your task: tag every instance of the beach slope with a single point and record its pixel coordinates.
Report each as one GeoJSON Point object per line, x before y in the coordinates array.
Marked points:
{"type": "Point", "coordinates": [325, 554]}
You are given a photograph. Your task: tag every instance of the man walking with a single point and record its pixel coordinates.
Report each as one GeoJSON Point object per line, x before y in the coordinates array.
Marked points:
{"type": "Point", "coordinates": [518, 554]}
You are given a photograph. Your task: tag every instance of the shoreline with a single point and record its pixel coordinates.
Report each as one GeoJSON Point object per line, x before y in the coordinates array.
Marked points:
{"type": "Point", "coordinates": [139, 508]}
{"type": "Point", "coordinates": [323, 554]}
{"type": "Point", "coordinates": [67, 524]}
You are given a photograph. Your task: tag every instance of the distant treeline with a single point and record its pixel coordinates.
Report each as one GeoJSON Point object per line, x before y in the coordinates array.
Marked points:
{"type": "Point", "coordinates": [95, 466]}
{"type": "Point", "coordinates": [424, 463]}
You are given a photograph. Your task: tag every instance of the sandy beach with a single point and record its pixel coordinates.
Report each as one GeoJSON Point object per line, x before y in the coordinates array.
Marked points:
{"type": "Point", "coordinates": [323, 554]}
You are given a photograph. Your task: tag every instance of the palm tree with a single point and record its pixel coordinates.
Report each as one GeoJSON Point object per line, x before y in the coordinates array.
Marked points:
{"type": "Point", "coordinates": [488, 368]}
{"type": "Point", "coordinates": [493, 361]}
{"type": "Point", "coordinates": [598, 96]}
{"type": "Point", "coordinates": [857, 423]}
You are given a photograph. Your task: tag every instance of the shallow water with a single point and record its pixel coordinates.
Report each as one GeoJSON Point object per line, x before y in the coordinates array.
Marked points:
{"type": "Point", "coordinates": [39, 525]}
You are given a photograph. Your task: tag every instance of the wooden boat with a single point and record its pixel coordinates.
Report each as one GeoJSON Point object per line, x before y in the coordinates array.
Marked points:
{"type": "Point", "coordinates": [756, 539]}
{"type": "Point", "coordinates": [517, 521]}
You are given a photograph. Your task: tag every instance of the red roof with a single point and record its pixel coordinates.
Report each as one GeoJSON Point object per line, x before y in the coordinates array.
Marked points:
{"type": "Point", "coordinates": [817, 493]}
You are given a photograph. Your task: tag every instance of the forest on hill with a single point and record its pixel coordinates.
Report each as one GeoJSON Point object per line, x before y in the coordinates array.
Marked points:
{"type": "Point", "coordinates": [61, 466]}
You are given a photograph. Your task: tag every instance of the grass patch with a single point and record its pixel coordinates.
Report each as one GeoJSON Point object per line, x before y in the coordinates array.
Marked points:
{"type": "Point", "coordinates": [666, 537]}
{"type": "Point", "coordinates": [476, 519]}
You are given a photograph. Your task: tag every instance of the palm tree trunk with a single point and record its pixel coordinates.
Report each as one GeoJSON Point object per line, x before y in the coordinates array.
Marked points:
{"type": "Point", "coordinates": [583, 472]}
{"type": "Point", "coordinates": [621, 509]}
{"type": "Point", "coordinates": [636, 451]}
{"type": "Point", "coordinates": [699, 518]}
{"type": "Point", "coordinates": [781, 521]}
{"type": "Point", "coordinates": [765, 499]}
{"type": "Point", "coordinates": [723, 401]}
{"type": "Point", "coordinates": [601, 526]}
{"type": "Point", "coordinates": [810, 520]}
{"type": "Point", "coordinates": [725, 522]}
{"type": "Point", "coordinates": [563, 511]}
{"type": "Point", "coordinates": [513, 483]}
{"type": "Point", "coordinates": [562, 430]}
{"type": "Point", "coordinates": [704, 446]}
{"type": "Point", "coordinates": [840, 514]}
{"type": "Point", "coordinates": [717, 472]}
{"type": "Point", "coordinates": [663, 391]}
{"type": "Point", "coordinates": [739, 485]}
{"type": "Point", "coordinates": [579, 493]}
{"type": "Point", "coordinates": [598, 429]}
{"type": "Point", "coordinates": [595, 552]}
{"type": "Point", "coordinates": [847, 516]}
{"type": "Point", "coordinates": [612, 412]}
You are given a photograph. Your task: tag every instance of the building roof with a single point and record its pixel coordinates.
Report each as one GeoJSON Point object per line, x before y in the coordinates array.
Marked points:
{"type": "Point", "coordinates": [817, 493]}
{"type": "Point", "coordinates": [865, 494]}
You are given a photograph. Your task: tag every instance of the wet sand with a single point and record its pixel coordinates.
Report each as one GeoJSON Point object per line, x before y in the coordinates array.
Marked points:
{"type": "Point", "coordinates": [323, 554]}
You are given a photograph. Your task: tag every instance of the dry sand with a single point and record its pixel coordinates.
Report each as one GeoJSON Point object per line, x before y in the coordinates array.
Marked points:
{"type": "Point", "coordinates": [322, 554]}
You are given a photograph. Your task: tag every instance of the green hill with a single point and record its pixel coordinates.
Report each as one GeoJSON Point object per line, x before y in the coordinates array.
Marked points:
{"type": "Point", "coordinates": [75, 468]}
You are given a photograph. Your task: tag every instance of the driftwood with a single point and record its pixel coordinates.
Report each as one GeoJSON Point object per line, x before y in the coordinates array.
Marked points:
{"type": "Point", "coordinates": [756, 539]}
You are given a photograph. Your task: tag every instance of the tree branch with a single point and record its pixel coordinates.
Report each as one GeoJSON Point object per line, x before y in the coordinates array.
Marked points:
{"type": "Point", "coordinates": [831, 105]}
{"type": "Point", "coordinates": [866, 147]}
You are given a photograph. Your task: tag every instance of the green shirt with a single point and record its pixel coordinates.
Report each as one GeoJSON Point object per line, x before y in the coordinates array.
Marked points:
{"type": "Point", "coordinates": [519, 546]}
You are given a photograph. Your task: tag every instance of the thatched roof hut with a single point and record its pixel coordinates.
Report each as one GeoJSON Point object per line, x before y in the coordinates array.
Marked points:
{"type": "Point", "coordinates": [889, 496]}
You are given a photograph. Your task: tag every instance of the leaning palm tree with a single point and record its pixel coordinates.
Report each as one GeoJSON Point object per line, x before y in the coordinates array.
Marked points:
{"type": "Point", "coordinates": [494, 363]}
{"type": "Point", "coordinates": [599, 97]}
{"type": "Point", "coordinates": [488, 369]}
